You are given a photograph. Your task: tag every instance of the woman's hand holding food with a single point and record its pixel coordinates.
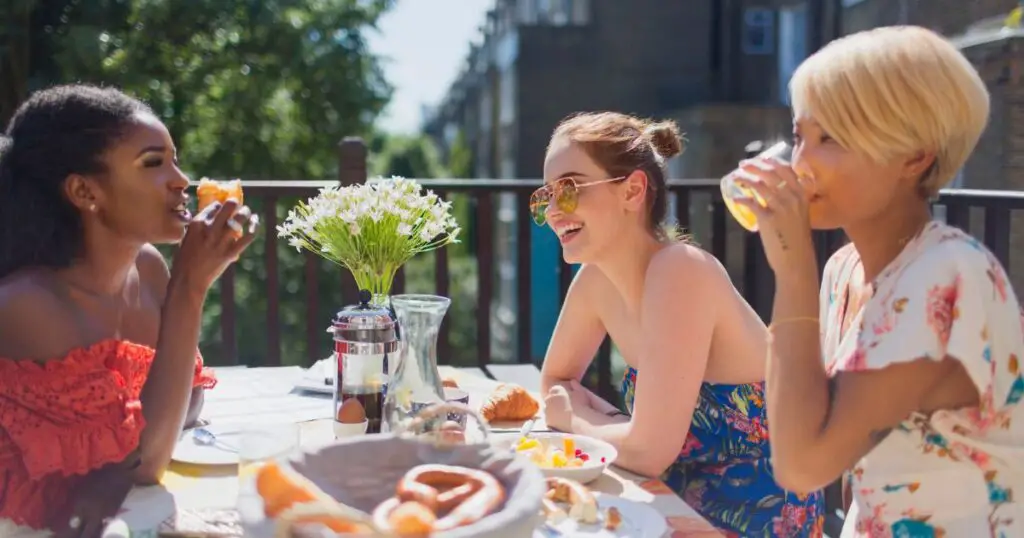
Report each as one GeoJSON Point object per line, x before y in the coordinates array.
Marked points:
{"type": "Point", "coordinates": [216, 236]}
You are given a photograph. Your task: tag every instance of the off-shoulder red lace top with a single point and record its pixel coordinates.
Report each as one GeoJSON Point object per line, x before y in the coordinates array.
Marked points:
{"type": "Point", "coordinates": [61, 419]}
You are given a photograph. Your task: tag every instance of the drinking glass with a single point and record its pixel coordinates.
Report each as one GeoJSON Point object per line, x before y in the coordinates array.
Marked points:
{"type": "Point", "coordinates": [261, 443]}
{"type": "Point", "coordinates": [730, 190]}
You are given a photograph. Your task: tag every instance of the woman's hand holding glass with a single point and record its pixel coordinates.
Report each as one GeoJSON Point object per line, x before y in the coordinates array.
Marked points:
{"type": "Point", "coordinates": [784, 219]}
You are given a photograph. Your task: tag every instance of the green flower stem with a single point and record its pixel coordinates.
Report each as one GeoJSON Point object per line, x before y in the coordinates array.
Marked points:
{"type": "Point", "coordinates": [378, 284]}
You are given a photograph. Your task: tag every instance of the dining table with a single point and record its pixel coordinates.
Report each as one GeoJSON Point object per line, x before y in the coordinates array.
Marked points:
{"type": "Point", "coordinates": [199, 500]}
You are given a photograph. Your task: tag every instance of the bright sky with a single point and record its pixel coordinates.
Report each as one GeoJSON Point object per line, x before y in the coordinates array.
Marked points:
{"type": "Point", "coordinates": [424, 44]}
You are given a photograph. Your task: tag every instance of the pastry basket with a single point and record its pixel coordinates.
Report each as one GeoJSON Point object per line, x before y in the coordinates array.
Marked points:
{"type": "Point", "coordinates": [361, 472]}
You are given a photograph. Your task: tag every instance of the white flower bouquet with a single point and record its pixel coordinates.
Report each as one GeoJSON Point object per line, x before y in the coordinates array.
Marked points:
{"type": "Point", "coordinates": [371, 229]}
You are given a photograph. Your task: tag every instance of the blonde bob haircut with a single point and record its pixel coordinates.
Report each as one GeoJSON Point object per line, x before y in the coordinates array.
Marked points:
{"type": "Point", "coordinates": [893, 92]}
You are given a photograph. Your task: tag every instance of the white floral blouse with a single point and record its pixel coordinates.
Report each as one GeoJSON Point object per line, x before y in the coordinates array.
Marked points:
{"type": "Point", "coordinates": [955, 473]}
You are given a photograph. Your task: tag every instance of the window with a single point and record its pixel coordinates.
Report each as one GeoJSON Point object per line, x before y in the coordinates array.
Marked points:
{"type": "Point", "coordinates": [543, 10]}
{"type": "Point", "coordinates": [757, 31]}
{"type": "Point", "coordinates": [507, 97]}
{"type": "Point", "coordinates": [792, 45]}
{"type": "Point", "coordinates": [527, 12]}
{"type": "Point", "coordinates": [580, 12]}
{"type": "Point", "coordinates": [559, 12]}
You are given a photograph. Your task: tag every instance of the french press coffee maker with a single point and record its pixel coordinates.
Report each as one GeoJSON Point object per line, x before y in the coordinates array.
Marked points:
{"type": "Point", "coordinates": [364, 337]}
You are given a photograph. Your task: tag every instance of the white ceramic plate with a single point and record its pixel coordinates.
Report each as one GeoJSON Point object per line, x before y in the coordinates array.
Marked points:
{"type": "Point", "coordinates": [638, 521]}
{"type": "Point", "coordinates": [588, 472]}
{"type": "Point", "coordinates": [224, 451]}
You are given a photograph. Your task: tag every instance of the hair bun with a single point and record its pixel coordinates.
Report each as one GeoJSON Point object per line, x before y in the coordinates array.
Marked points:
{"type": "Point", "coordinates": [665, 137]}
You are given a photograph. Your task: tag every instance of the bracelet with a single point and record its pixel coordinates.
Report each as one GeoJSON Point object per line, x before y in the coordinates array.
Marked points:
{"type": "Point", "coordinates": [784, 321]}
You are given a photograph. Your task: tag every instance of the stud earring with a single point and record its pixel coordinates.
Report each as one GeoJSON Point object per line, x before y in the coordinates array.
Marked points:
{"type": "Point", "coordinates": [92, 207]}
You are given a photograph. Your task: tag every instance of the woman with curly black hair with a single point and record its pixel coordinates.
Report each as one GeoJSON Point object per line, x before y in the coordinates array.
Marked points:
{"type": "Point", "coordinates": [99, 364]}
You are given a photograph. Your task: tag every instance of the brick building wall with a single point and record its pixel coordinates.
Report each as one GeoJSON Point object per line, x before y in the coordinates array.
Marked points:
{"type": "Point", "coordinates": [949, 17]}
{"type": "Point", "coordinates": [640, 57]}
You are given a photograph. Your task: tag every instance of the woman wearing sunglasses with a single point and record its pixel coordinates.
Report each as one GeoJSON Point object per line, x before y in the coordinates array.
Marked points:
{"type": "Point", "coordinates": [695, 349]}
{"type": "Point", "coordinates": [905, 368]}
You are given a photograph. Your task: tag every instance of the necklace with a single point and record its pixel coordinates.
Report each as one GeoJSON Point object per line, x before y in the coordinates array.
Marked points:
{"type": "Point", "coordinates": [917, 231]}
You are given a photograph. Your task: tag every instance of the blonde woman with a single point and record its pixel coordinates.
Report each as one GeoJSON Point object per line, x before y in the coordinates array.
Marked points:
{"type": "Point", "coordinates": [918, 392]}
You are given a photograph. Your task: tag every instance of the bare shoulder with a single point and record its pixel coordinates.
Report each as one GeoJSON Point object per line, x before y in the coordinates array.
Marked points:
{"type": "Point", "coordinates": [588, 277]}
{"type": "Point", "coordinates": [586, 294]}
{"type": "Point", "coordinates": [589, 281]}
{"type": "Point", "coordinates": [35, 323]}
{"type": "Point", "coordinates": [154, 274]}
{"type": "Point", "coordinates": [686, 265]}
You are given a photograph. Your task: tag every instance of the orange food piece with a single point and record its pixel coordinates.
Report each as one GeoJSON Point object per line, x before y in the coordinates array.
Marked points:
{"type": "Point", "coordinates": [412, 519]}
{"type": "Point", "coordinates": [337, 524]}
{"type": "Point", "coordinates": [281, 490]}
{"type": "Point", "coordinates": [209, 191]}
{"type": "Point", "coordinates": [325, 513]}
{"type": "Point", "coordinates": [450, 383]}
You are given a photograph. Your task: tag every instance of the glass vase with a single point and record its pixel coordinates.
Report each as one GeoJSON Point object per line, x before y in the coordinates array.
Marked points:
{"type": "Point", "coordinates": [416, 382]}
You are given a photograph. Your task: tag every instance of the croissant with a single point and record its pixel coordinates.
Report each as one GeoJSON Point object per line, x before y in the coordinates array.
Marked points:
{"type": "Point", "coordinates": [509, 402]}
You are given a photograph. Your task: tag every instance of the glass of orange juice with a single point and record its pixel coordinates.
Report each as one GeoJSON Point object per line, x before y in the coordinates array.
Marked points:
{"type": "Point", "coordinates": [730, 190]}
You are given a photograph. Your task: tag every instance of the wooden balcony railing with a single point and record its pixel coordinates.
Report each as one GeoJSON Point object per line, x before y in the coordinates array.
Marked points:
{"type": "Point", "coordinates": [755, 279]}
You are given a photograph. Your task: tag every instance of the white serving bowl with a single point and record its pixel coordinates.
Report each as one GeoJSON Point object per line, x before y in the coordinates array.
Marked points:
{"type": "Point", "coordinates": [588, 472]}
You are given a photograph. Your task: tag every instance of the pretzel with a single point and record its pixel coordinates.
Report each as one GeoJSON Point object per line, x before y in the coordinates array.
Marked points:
{"type": "Point", "coordinates": [582, 504]}
{"type": "Point", "coordinates": [455, 496]}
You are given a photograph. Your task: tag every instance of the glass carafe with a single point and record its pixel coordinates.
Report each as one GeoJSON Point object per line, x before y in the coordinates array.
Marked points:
{"type": "Point", "coordinates": [415, 382]}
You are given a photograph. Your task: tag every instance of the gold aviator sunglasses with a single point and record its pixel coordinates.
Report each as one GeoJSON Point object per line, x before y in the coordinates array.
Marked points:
{"type": "Point", "coordinates": [564, 192]}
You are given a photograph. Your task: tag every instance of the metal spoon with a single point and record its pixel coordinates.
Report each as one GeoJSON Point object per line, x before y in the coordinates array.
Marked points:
{"type": "Point", "coordinates": [202, 436]}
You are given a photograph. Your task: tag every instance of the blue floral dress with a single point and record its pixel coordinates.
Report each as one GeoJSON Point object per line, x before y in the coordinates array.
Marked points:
{"type": "Point", "coordinates": [723, 469]}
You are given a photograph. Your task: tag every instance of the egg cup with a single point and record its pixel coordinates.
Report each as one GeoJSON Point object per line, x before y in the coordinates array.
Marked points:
{"type": "Point", "coordinates": [350, 429]}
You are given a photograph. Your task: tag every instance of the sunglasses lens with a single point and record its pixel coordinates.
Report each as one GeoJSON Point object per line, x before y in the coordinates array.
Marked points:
{"type": "Point", "coordinates": [563, 193]}
{"type": "Point", "coordinates": [538, 212]}
{"type": "Point", "coordinates": [567, 197]}
{"type": "Point", "coordinates": [539, 205]}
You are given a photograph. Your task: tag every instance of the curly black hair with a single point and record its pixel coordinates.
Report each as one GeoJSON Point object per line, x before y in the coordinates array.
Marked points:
{"type": "Point", "coordinates": [56, 132]}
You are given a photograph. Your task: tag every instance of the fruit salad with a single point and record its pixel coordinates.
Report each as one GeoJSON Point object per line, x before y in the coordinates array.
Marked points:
{"type": "Point", "coordinates": [552, 455]}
